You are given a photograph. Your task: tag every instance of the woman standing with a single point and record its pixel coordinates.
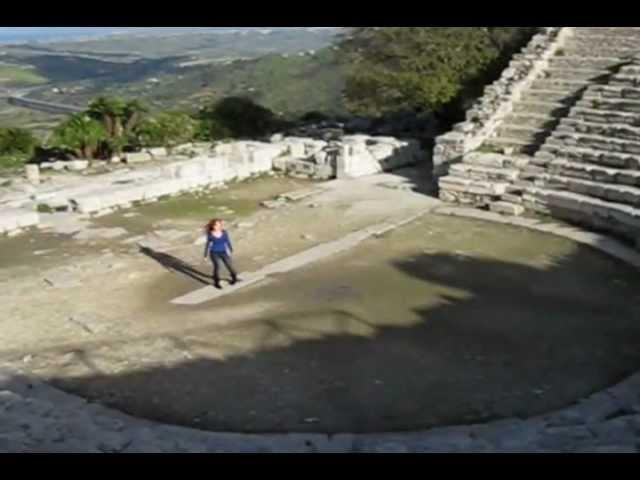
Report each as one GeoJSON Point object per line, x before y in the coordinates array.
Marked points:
{"type": "Point", "coordinates": [219, 248]}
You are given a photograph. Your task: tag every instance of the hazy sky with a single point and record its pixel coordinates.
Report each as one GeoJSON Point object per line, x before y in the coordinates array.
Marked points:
{"type": "Point", "coordinates": [41, 33]}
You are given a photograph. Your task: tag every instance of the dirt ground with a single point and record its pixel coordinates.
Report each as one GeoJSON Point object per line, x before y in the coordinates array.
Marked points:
{"type": "Point", "coordinates": [441, 322]}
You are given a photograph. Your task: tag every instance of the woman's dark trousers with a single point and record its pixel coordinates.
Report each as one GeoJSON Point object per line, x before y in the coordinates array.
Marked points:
{"type": "Point", "coordinates": [216, 258]}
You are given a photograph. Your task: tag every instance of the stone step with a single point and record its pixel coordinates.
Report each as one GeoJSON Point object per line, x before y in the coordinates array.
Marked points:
{"type": "Point", "coordinates": [607, 37]}
{"type": "Point", "coordinates": [627, 96]}
{"type": "Point", "coordinates": [532, 120]}
{"type": "Point", "coordinates": [511, 146]}
{"type": "Point", "coordinates": [477, 172]}
{"type": "Point", "coordinates": [622, 194]}
{"type": "Point", "coordinates": [614, 217]}
{"type": "Point", "coordinates": [474, 187]}
{"type": "Point", "coordinates": [612, 130]}
{"type": "Point", "coordinates": [626, 105]}
{"type": "Point", "coordinates": [604, 116]}
{"type": "Point", "coordinates": [630, 70]}
{"type": "Point", "coordinates": [576, 73]}
{"type": "Point", "coordinates": [595, 49]}
{"type": "Point", "coordinates": [584, 62]}
{"type": "Point", "coordinates": [496, 160]}
{"type": "Point", "coordinates": [594, 173]}
{"type": "Point", "coordinates": [541, 108]}
{"type": "Point", "coordinates": [506, 208]}
{"type": "Point", "coordinates": [624, 46]}
{"type": "Point", "coordinates": [562, 84]}
{"type": "Point", "coordinates": [523, 132]}
{"type": "Point", "coordinates": [597, 142]}
{"type": "Point", "coordinates": [555, 96]}
{"type": "Point", "coordinates": [514, 195]}
{"type": "Point", "coordinates": [613, 31]}
{"type": "Point", "coordinates": [589, 155]}
{"type": "Point", "coordinates": [614, 91]}
{"type": "Point", "coordinates": [625, 80]}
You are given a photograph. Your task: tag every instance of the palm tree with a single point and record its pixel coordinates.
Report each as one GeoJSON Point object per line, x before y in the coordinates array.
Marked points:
{"type": "Point", "coordinates": [132, 113]}
{"type": "Point", "coordinates": [80, 134]}
{"type": "Point", "coordinates": [110, 111]}
{"type": "Point", "coordinates": [119, 118]}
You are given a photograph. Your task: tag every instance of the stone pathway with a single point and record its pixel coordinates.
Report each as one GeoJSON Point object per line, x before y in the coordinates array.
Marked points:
{"type": "Point", "coordinates": [293, 262]}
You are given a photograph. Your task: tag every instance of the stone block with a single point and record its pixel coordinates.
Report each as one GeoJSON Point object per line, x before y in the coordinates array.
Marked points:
{"type": "Point", "coordinates": [138, 157]}
{"type": "Point", "coordinates": [78, 165]}
{"type": "Point", "coordinates": [159, 152]}
{"type": "Point", "coordinates": [32, 172]}
{"type": "Point", "coordinates": [506, 208]}
{"type": "Point", "coordinates": [296, 149]}
{"type": "Point", "coordinates": [87, 204]}
{"type": "Point", "coordinates": [301, 167]}
{"type": "Point", "coordinates": [189, 170]}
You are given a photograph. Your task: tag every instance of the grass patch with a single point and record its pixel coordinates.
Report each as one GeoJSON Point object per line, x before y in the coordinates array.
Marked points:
{"type": "Point", "coordinates": [17, 75]}
{"type": "Point", "coordinates": [42, 208]}
{"type": "Point", "coordinates": [12, 162]}
{"type": "Point", "coordinates": [488, 148]}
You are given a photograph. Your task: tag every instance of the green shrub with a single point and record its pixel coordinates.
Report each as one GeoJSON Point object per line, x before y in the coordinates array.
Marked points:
{"type": "Point", "coordinates": [17, 142]}
{"type": "Point", "coordinates": [237, 117]}
{"type": "Point", "coordinates": [10, 162]}
{"type": "Point", "coordinates": [167, 129]}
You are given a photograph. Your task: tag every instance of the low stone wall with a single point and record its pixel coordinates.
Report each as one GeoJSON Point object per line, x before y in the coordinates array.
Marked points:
{"type": "Point", "coordinates": [225, 163]}
{"type": "Point", "coordinates": [487, 114]}
{"type": "Point", "coordinates": [350, 157]}
{"type": "Point", "coordinates": [204, 165]}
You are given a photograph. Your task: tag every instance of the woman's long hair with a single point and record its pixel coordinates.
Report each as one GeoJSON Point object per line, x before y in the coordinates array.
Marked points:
{"type": "Point", "coordinates": [208, 228]}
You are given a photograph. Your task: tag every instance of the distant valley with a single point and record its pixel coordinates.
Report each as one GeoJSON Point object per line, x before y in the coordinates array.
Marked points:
{"type": "Point", "coordinates": [289, 70]}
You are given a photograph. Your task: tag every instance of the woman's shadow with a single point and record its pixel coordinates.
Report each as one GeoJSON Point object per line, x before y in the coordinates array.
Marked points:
{"type": "Point", "coordinates": [174, 264]}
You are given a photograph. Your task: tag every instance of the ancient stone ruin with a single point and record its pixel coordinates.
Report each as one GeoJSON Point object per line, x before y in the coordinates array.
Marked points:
{"type": "Point", "coordinates": [558, 134]}
{"type": "Point", "coordinates": [193, 167]}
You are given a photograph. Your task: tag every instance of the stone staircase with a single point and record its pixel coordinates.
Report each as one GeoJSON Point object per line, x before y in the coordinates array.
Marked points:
{"type": "Point", "coordinates": [570, 146]}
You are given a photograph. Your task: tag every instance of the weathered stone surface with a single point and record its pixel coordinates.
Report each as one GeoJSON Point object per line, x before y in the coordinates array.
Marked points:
{"type": "Point", "coordinates": [12, 219]}
{"type": "Point", "coordinates": [100, 233]}
{"type": "Point", "coordinates": [32, 172]}
{"type": "Point", "coordinates": [138, 157]}
{"type": "Point", "coordinates": [506, 208]}
{"type": "Point", "coordinates": [486, 115]}
{"type": "Point", "coordinates": [78, 165]}
{"type": "Point", "coordinates": [36, 417]}
{"type": "Point", "coordinates": [157, 153]}
{"type": "Point", "coordinates": [588, 153]}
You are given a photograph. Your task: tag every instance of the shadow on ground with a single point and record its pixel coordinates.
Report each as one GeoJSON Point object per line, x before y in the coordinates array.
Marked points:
{"type": "Point", "coordinates": [174, 264]}
{"type": "Point", "coordinates": [521, 341]}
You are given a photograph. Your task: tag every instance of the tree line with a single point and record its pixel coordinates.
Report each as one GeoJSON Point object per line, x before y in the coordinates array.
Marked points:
{"type": "Point", "coordinates": [433, 69]}
{"type": "Point", "coordinates": [111, 126]}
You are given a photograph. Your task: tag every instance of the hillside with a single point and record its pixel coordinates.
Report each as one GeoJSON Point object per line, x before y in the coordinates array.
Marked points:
{"type": "Point", "coordinates": [289, 85]}
{"type": "Point", "coordinates": [290, 71]}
